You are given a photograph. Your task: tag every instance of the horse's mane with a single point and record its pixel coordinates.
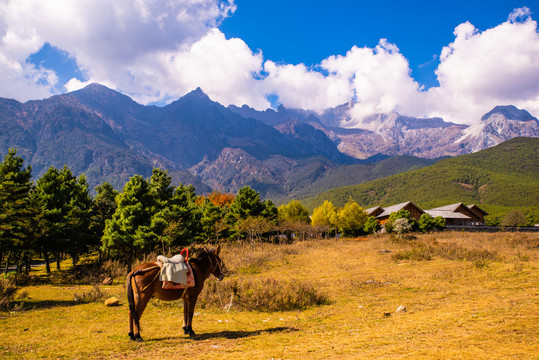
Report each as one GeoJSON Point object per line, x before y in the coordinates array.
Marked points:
{"type": "Point", "coordinates": [199, 254]}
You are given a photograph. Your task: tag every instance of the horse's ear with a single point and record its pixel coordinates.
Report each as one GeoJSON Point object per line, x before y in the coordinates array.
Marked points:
{"type": "Point", "coordinates": [218, 250]}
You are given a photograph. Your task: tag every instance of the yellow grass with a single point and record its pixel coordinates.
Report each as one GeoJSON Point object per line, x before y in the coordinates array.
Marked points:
{"type": "Point", "coordinates": [456, 309]}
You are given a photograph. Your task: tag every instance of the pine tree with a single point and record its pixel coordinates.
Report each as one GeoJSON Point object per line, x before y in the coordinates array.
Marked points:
{"type": "Point", "coordinates": [183, 217]}
{"type": "Point", "coordinates": [67, 211]}
{"type": "Point", "coordinates": [214, 221]}
{"type": "Point", "coordinates": [247, 203]}
{"type": "Point", "coordinates": [131, 230]}
{"type": "Point", "coordinates": [103, 208]}
{"type": "Point", "coordinates": [16, 211]}
{"type": "Point", "coordinates": [160, 187]}
{"type": "Point", "coordinates": [80, 237]}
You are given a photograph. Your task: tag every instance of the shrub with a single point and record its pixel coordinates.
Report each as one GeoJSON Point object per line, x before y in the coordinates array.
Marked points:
{"type": "Point", "coordinates": [416, 254]}
{"type": "Point", "coordinates": [262, 295]}
{"type": "Point", "coordinates": [401, 226]}
{"type": "Point", "coordinates": [8, 288]}
{"type": "Point", "coordinates": [427, 223]}
{"type": "Point", "coordinates": [514, 218]}
{"type": "Point", "coordinates": [371, 225]}
{"type": "Point", "coordinates": [93, 295]}
{"type": "Point", "coordinates": [456, 252]}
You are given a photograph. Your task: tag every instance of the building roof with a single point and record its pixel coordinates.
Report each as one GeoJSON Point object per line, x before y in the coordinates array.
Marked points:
{"type": "Point", "coordinates": [446, 214]}
{"type": "Point", "coordinates": [373, 209]}
{"type": "Point", "coordinates": [391, 209]}
{"type": "Point", "coordinates": [451, 207]}
{"type": "Point", "coordinates": [475, 207]}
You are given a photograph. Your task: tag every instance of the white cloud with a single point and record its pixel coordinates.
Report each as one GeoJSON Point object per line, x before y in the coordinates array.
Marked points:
{"type": "Point", "coordinates": [23, 81]}
{"type": "Point", "coordinates": [380, 79]}
{"type": "Point", "coordinates": [300, 87]}
{"type": "Point", "coordinates": [222, 67]}
{"type": "Point", "coordinates": [477, 71]}
{"type": "Point", "coordinates": [108, 39]}
{"type": "Point", "coordinates": [480, 70]}
{"type": "Point", "coordinates": [158, 50]}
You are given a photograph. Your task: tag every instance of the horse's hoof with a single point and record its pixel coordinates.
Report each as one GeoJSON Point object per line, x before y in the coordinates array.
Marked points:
{"type": "Point", "coordinates": [192, 333]}
{"type": "Point", "coordinates": [132, 337]}
{"type": "Point", "coordinates": [185, 330]}
{"type": "Point", "coordinates": [139, 339]}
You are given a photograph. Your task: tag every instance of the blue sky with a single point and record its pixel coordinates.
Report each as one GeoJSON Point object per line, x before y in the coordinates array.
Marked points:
{"type": "Point", "coordinates": [308, 31]}
{"type": "Point", "coordinates": [453, 59]}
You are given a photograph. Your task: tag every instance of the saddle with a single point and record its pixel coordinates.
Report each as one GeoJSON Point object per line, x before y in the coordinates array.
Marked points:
{"type": "Point", "coordinates": [176, 273]}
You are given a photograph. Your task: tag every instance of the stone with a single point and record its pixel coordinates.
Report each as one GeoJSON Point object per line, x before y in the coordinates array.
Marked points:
{"type": "Point", "coordinates": [401, 309]}
{"type": "Point", "coordinates": [113, 301]}
{"type": "Point", "coordinates": [107, 281]}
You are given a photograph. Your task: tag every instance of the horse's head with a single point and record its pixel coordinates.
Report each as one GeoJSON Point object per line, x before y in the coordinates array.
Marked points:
{"type": "Point", "coordinates": [217, 266]}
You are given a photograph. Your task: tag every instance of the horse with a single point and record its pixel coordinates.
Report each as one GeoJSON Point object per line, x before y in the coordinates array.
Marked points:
{"type": "Point", "coordinates": [144, 282]}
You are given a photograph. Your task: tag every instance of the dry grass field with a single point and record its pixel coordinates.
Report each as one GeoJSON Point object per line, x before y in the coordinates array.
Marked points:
{"type": "Point", "coordinates": [467, 296]}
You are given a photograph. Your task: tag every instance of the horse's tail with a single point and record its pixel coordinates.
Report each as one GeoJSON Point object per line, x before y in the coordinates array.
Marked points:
{"type": "Point", "coordinates": [131, 299]}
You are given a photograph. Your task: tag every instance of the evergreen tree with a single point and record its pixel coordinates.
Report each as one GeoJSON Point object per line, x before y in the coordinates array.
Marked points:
{"type": "Point", "coordinates": [247, 203]}
{"type": "Point", "coordinates": [67, 212]}
{"type": "Point", "coordinates": [160, 187]}
{"type": "Point", "coordinates": [16, 211]}
{"type": "Point", "coordinates": [52, 203]}
{"type": "Point", "coordinates": [214, 221]}
{"type": "Point", "coordinates": [103, 208]}
{"type": "Point", "coordinates": [132, 229]}
{"type": "Point", "coordinates": [182, 217]}
{"type": "Point", "coordinates": [80, 237]}
{"type": "Point", "coordinates": [270, 211]}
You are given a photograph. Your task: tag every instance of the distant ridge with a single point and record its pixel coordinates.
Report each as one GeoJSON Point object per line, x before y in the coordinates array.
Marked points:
{"type": "Point", "coordinates": [506, 175]}
{"type": "Point", "coordinates": [281, 153]}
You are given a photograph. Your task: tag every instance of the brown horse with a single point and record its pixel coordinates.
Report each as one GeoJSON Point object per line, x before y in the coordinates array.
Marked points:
{"type": "Point", "coordinates": [143, 283]}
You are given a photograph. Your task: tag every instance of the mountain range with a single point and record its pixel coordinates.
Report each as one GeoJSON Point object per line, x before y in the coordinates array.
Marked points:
{"type": "Point", "coordinates": [497, 179]}
{"type": "Point", "coordinates": [280, 153]}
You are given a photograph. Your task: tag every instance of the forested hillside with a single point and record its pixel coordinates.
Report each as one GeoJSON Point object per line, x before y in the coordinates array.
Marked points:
{"type": "Point", "coordinates": [307, 185]}
{"type": "Point", "coordinates": [503, 176]}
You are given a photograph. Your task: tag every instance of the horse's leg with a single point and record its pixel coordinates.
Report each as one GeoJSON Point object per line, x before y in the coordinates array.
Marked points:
{"type": "Point", "coordinates": [131, 322]}
{"type": "Point", "coordinates": [140, 306]}
{"type": "Point", "coordinates": [132, 299]}
{"type": "Point", "coordinates": [186, 314]}
{"type": "Point", "coordinates": [192, 300]}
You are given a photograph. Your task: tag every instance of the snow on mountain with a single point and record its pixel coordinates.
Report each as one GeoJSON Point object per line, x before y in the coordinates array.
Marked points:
{"type": "Point", "coordinates": [499, 125]}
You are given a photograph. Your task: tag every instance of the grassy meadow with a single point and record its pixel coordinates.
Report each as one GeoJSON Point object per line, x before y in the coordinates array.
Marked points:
{"type": "Point", "coordinates": [467, 296]}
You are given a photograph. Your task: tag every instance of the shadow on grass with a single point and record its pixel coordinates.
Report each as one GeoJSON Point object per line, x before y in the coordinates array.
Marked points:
{"type": "Point", "coordinates": [242, 334]}
{"type": "Point", "coordinates": [231, 334]}
{"type": "Point", "coordinates": [44, 304]}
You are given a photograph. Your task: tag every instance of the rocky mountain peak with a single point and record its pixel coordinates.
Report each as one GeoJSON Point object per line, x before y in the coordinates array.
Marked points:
{"type": "Point", "coordinates": [510, 112]}
{"type": "Point", "coordinates": [198, 93]}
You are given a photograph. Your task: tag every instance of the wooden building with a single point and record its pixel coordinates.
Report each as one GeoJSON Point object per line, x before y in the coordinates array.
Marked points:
{"type": "Point", "coordinates": [414, 210]}
{"type": "Point", "coordinates": [479, 212]}
{"type": "Point", "coordinates": [375, 211]}
{"type": "Point", "coordinates": [459, 214]}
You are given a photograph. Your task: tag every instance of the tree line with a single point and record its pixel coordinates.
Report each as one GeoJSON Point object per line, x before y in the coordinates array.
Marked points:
{"type": "Point", "coordinates": [57, 216]}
